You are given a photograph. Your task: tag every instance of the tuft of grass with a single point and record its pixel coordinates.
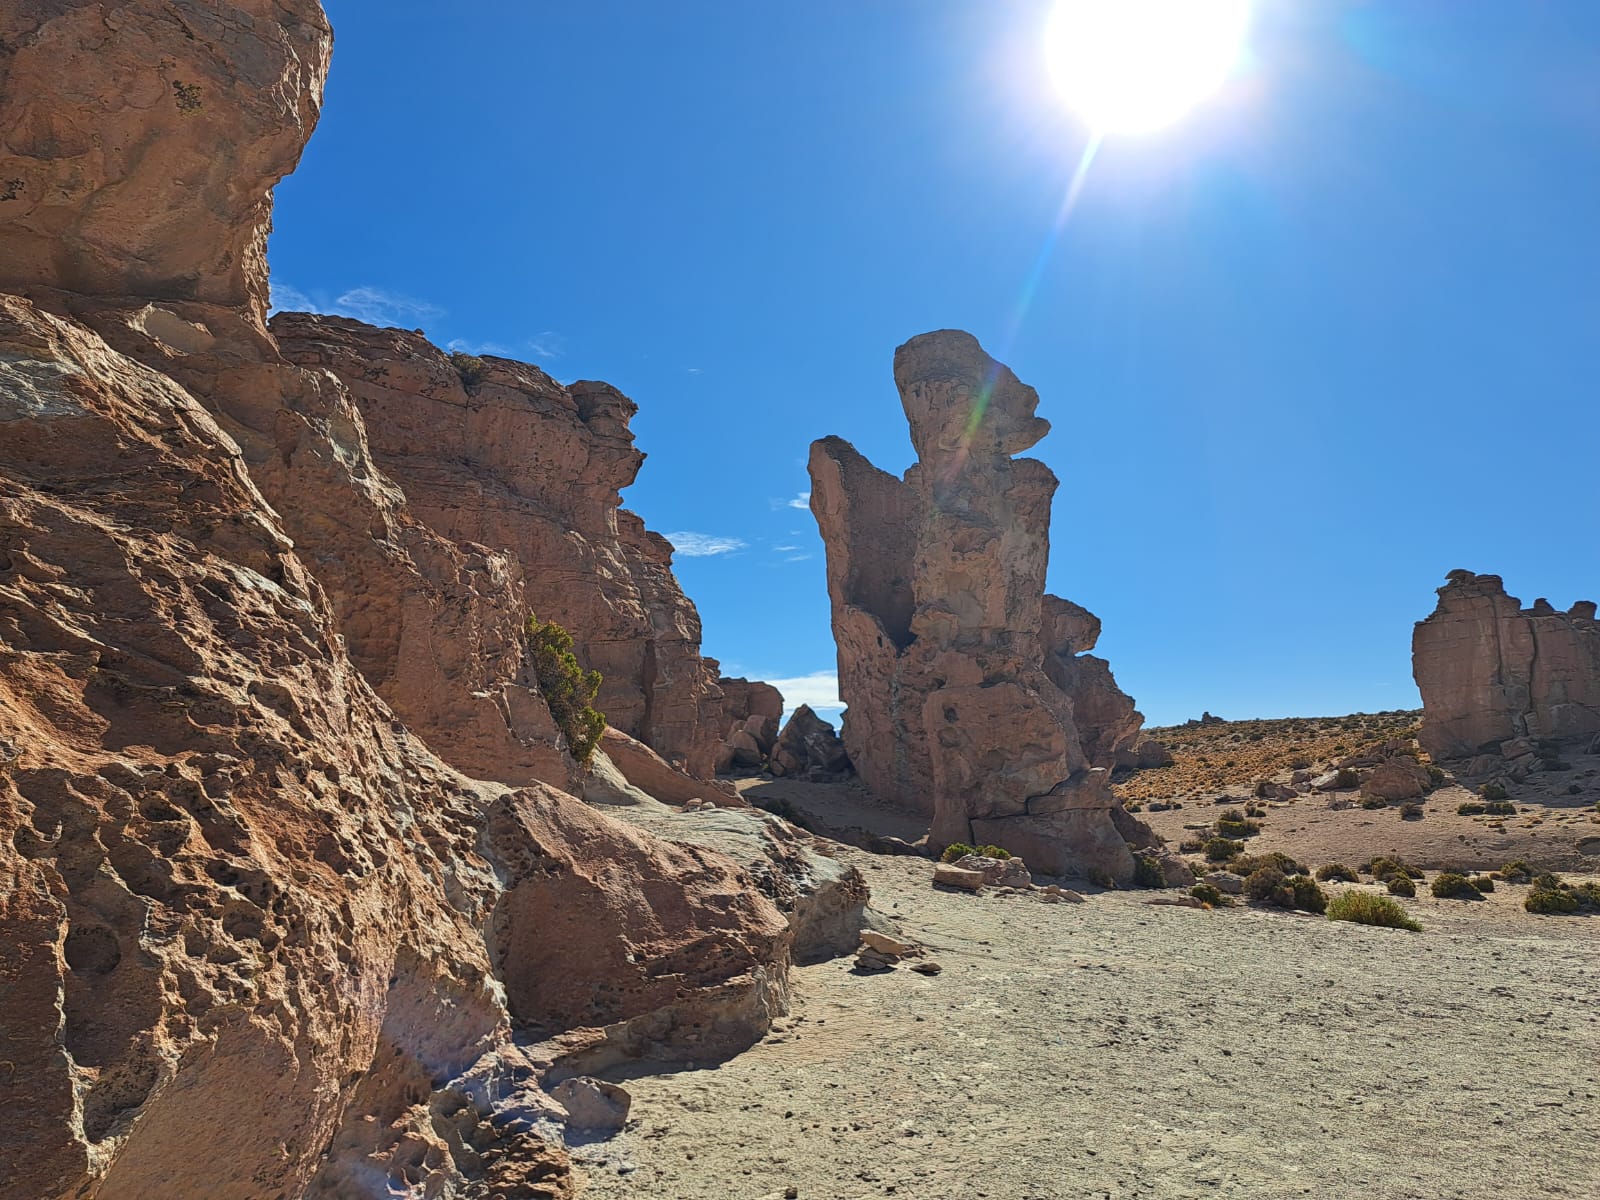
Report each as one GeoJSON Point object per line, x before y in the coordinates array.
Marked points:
{"type": "Point", "coordinates": [1482, 882]}
{"type": "Point", "coordinates": [1471, 808]}
{"type": "Point", "coordinates": [1500, 808]}
{"type": "Point", "coordinates": [1411, 811]}
{"type": "Point", "coordinates": [472, 369]}
{"type": "Point", "coordinates": [1366, 909]}
{"type": "Point", "coordinates": [1247, 864]}
{"type": "Point", "coordinates": [954, 851]}
{"type": "Point", "coordinates": [1493, 791]}
{"type": "Point", "coordinates": [1401, 885]}
{"type": "Point", "coordinates": [999, 852]}
{"type": "Point", "coordinates": [1337, 872]}
{"type": "Point", "coordinates": [1551, 901]}
{"type": "Point", "coordinates": [1386, 867]}
{"type": "Point", "coordinates": [1345, 778]}
{"type": "Point", "coordinates": [1209, 893]}
{"type": "Point", "coordinates": [1308, 897]}
{"type": "Point", "coordinates": [1517, 871]}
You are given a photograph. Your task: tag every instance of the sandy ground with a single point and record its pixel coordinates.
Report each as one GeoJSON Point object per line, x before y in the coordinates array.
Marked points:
{"type": "Point", "coordinates": [1120, 1049]}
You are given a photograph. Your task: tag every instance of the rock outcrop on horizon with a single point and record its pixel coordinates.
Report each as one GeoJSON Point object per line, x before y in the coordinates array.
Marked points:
{"type": "Point", "coordinates": [493, 453]}
{"type": "Point", "coordinates": [969, 696]}
{"type": "Point", "coordinates": [274, 921]}
{"type": "Point", "coordinates": [1493, 672]}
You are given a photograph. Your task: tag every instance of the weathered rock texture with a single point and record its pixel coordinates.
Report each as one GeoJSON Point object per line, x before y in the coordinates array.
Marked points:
{"type": "Point", "coordinates": [809, 748]}
{"type": "Point", "coordinates": [257, 936]}
{"type": "Point", "coordinates": [1491, 671]}
{"type": "Point", "coordinates": [969, 695]}
{"type": "Point", "coordinates": [495, 453]}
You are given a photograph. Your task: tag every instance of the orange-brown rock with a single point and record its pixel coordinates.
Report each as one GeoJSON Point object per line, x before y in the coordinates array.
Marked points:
{"type": "Point", "coordinates": [257, 936]}
{"type": "Point", "coordinates": [140, 141]}
{"type": "Point", "coordinates": [496, 453]}
{"type": "Point", "coordinates": [1491, 671]}
{"type": "Point", "coordinates": [969, 697]}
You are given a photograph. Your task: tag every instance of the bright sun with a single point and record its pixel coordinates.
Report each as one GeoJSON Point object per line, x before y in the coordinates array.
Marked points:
{"type": "Point", "coordinates": [1130, 66]}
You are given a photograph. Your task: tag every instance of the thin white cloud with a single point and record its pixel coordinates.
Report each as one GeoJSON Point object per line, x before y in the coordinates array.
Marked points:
{"type": "Point", "coordinates": [461, 345]}
{"type": "Point", "coordinates": [695, 370]}
{"type": "Point", "coordinates": [820, 690]}
{"type": "Point", "coordinates": [803, 500]}
{"type": "Point", "coordinates": [373, 305]}
{"type": "Point", "coordinates": [548, 344]}
{"type": "Point", "coordinates": [797, 558]}
{"type": "Point", "coordinates": [784, 549]}
{"type": "Point", "coordinates": [703, 545]}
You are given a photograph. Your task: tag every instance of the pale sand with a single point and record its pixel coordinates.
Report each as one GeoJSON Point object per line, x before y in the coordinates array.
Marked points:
{"type": "Point", "coordinates": [1119, 1049]}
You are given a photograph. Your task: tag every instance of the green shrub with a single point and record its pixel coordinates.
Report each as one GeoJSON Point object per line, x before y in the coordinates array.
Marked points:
{"type": "Point", "coordinates": [1436, 777]}
{"type": "Point", "coordinates": [1269, 886]}
{"type": "Point", "coordinates": [1470, 808]}
{"type": "Point", "coordinates": [1147, 872]}
{"type": "Point", "coordinates": [1500, 808]}
{"type": "Point", "coordinates": [1237, 829]}
{"type": "Point", "coordinates": [1493, 791]}
{"type": "Point", "coordinates": [1337, 872]}
{"type": "Point", "coordinates": [1384, 868]}
{"type": "Point", "coordinates": [1411, 812]}
{"type": "Point", "coordinates": [1308, 897]}
{"type": "Point", "coordinates": [1482, 882]}
{"type": "Point", "coordinates": [1344, 779]}
{"type": "Point", "coordinates": [1550, 900]}
{"type": "Point", "coordinates": [1517, 871]}
{"type": "Point", "coordinates": [470, 367]}
{"type": "Point", "coordinates": [1448, 885]}
{"type": "Point", "coordinates": [1366, 909]}
{"type": "Point", "coordinates": [954, 851]}
{"type": "Point", "coordinates": [1209, 893]}
{"type": "Point", "coordinates": [1401, 885]}
{"type": "Point", "coordinates": [1191, 846]}
{"type": "Point", "coordinates": [1219, 849]}
{"type": "Point", "coordinates": [1246, 864]}
{"type": "Point", "coordinates": [568, 689]}
{"type": "Point", "coordinates": [1370, 802]}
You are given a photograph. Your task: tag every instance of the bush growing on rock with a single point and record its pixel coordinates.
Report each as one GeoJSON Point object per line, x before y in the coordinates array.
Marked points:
{"type": "Point", "coordinates": [1449, 885]}
{"type": "Point", "coordinates": [1366, 909]}
{"type": "Point", "coordinates": [992, 852]}
{"type": "Point", "coordinates": [470, 368]}
{"type": "Point", "coordinates": [1147, 872]}
{"type": "Point", "coordinates": [568, 689]}
{"type": "Point", "coordinates": [1337, 872]}
{"type": "Point", "coordinates": [956, 850]}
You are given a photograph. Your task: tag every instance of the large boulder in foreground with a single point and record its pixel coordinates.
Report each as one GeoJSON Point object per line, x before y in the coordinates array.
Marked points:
{"type": "Point", "coordinates": [969, 696]}
{"type": "Point", "coordinates": [1491, 671]}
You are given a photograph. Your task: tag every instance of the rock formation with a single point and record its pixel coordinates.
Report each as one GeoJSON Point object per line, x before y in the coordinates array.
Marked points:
{"type": "Point", "coordinates": [969, 695]}
{"type": "Point", "coordinates": [808, 748]}
{"type": "Point", "coordinates": [1491, 671]}
{"type": "Point", "coordinates": [495, 453]}
{"type": "Point", "coordinates": [261, 935]}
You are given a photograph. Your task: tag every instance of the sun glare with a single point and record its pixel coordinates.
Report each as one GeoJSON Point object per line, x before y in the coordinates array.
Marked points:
{"type": "Point", "coordinates": [1130, 66]}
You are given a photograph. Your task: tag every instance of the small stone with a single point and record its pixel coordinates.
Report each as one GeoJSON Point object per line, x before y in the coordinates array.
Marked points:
{"type": "Point", "coordinates": [926, 968]}
{"type": "Point", "coordinates": [945, 875]}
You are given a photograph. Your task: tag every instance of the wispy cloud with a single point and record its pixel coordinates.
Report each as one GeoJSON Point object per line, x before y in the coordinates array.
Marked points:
{"type": "Point", "coordinates": [374, 305]}
{"type": "Point", "coordinates": [703, 545]}
{"type": "Point", "coordinates": [695, 370]}
{"type": "Point", "coordinates": [466, 347]}
{"type": "Point", "coordinates": [548, 344]}
{"type": "Point", "coordinates": [784, 549]}
{"type": "Point", "coordinates": [803, 500]}
{"type": "Point", "coordinates": [820, 690]}
{"type": "Point", "coordinates": [797, 558]}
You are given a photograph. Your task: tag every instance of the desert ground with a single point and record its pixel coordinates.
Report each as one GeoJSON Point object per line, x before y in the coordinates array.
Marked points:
{"type": "Point", "coordinates": [1122, 1048]}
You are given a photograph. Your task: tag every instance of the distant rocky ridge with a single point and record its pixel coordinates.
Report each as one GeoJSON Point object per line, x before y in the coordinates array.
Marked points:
{"type": "Point", "coordinates": [1493, 672]}
{"type": "Point", "coordinates": [294, 896]}
{"type": "Point", "coordinates": [970, 696]}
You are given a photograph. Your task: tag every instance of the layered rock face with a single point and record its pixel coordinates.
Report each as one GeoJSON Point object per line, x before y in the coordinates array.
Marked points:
{"type": "Point", "coordinates": [1491, 671]}
{"type": "Point", "coordinates": [495, 453]}
{"type": "Point", "coordinates": [260, 938]}
{"type": "Point", "coordinates": [969, 697]}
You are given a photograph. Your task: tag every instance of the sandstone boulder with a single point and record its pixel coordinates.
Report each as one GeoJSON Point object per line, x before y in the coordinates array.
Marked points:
{"type": "Point", "coordinates": [593, 1104]}
{"type": "Point", "coordinates": [808, 747]}
{"type": "Point", "coordinates": [961, 878]}
{"type": "Point", "coordinates": [1400, 778]}
{"type": "Point", "coordinates": [997, 872]}
{"type": "Point", "coordinates": [970, 695]}
{"type": "Point", "coordinates": [1490, 670]}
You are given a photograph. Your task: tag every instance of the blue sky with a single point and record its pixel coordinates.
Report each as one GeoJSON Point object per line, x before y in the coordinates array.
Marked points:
{"type": "Point", "coordinates": [1333, 335]}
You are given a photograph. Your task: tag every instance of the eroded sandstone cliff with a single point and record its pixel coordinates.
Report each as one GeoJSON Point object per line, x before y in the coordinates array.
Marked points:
{"type": "Point", "coordinates": [1491, 671]}
{"type": "Point", "coordinates": [264, 933]}
{"type": "Point", "coordinates": [969, 695]}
